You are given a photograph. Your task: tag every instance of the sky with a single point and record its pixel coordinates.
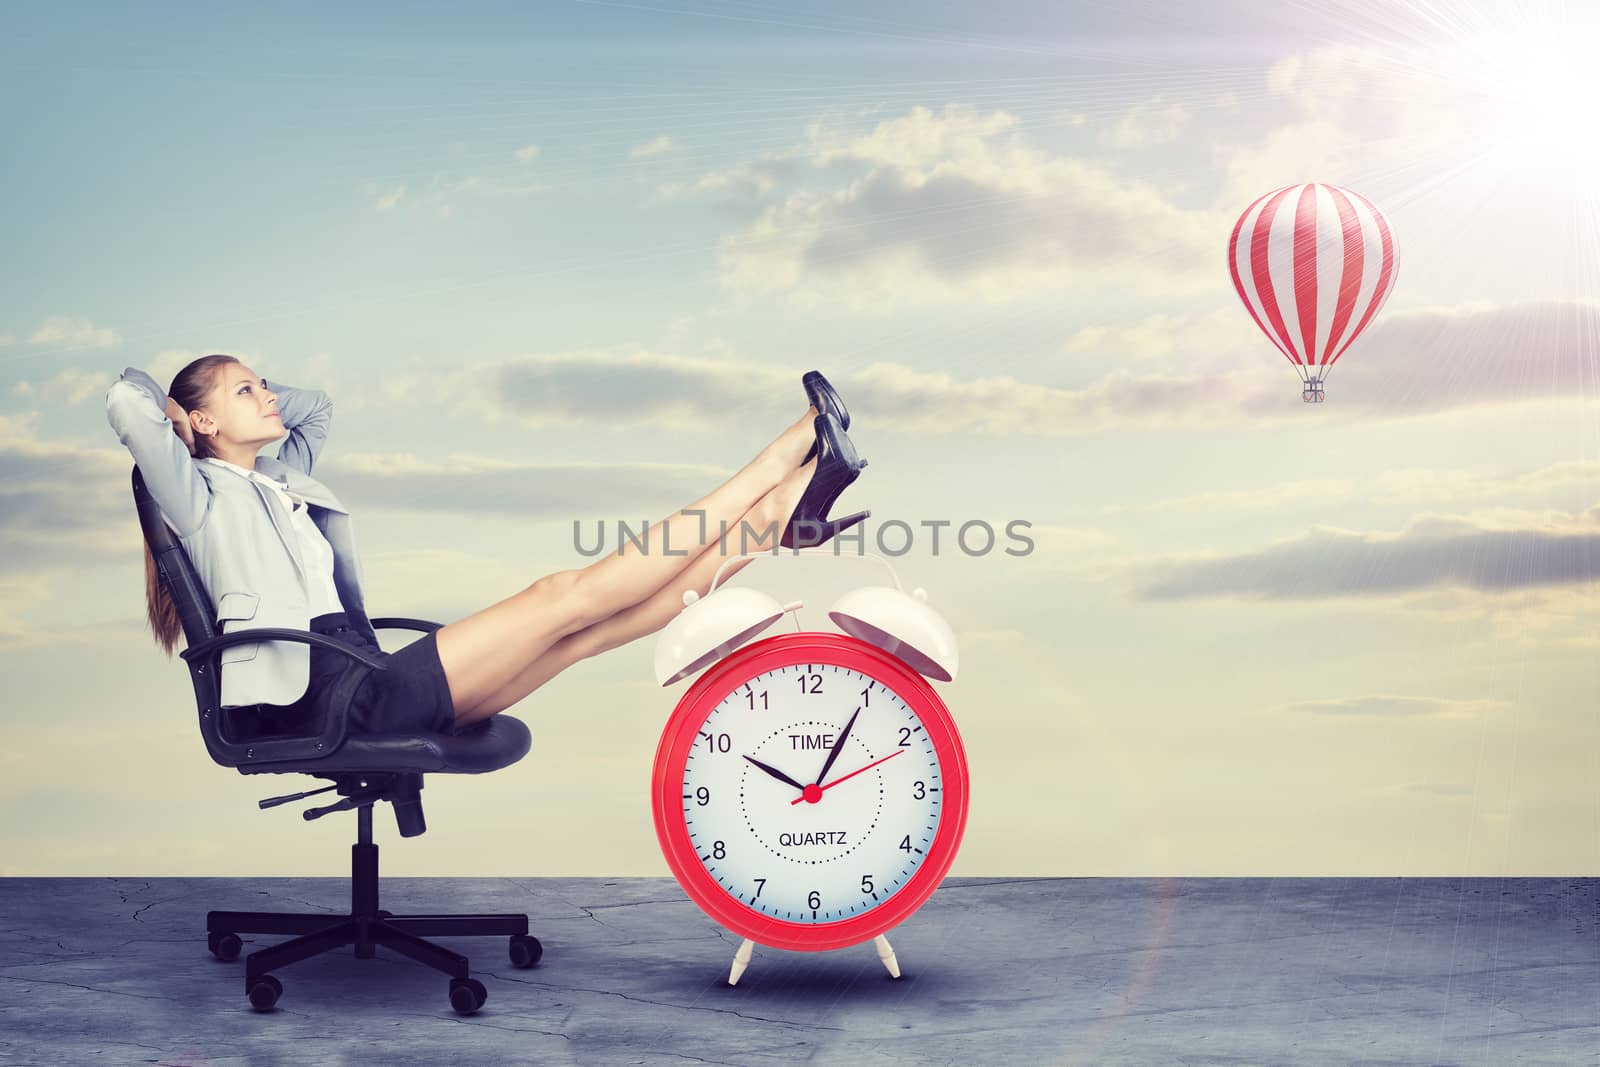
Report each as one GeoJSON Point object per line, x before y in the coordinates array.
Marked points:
{"type": "Point", "coordinates": [567, 262]}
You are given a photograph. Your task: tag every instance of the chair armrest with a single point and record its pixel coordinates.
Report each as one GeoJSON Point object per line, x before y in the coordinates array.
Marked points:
{"type": "Point", "coordinates": [242, 637]}
{"type": "Point", "coordinates": [307, 748]}
{"type": "Point", "coordinates": [396, 622]}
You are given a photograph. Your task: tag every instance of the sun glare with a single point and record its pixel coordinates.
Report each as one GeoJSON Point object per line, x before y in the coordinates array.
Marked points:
{"type": "Point", "coordinates": [1540, 94]}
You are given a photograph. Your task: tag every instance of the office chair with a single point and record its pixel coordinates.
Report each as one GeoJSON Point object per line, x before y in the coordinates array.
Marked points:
{"type": "Point", "coordinates": [364, 769]}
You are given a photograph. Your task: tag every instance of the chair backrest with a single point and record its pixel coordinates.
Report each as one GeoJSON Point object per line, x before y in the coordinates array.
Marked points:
{"type": "Point", "coordinates": [195, 608]}
{"type": "Point", "coordinates": [225, 739]}
{"type": "Point", "coordinates": [231, 735]}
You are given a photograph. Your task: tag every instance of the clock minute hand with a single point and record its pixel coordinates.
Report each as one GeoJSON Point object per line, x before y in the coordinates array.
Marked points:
{"type": "Point", "coordinates": [779, 775]}
{"type": "Point", "coordinates": [838, 746]}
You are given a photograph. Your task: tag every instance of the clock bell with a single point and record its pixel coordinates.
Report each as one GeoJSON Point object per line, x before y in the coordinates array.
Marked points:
{"type": "Point", "coordinates": [710, 627]}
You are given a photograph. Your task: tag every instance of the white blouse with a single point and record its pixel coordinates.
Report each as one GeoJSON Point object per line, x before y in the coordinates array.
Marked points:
{"type": "Point", "coordinates": [315, 551]}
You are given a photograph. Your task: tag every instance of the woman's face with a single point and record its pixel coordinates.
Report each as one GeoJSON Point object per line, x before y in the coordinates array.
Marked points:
{"type": "Point", "coordinates": [242, 409]}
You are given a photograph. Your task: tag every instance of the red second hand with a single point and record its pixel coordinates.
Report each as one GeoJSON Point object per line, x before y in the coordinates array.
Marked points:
{"type": "Point", "coordinates": [824, 788]}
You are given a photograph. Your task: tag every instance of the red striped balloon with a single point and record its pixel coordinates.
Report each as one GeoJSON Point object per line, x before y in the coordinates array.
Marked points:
{"type": "Point", "coordinates": [1313, 264]}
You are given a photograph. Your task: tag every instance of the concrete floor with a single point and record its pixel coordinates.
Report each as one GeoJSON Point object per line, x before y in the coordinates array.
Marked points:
{"type": "Point", "coordinates": [997, 971]}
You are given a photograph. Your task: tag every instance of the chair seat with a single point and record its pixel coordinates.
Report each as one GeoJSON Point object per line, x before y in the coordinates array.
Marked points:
{"type": "Point", "coordinates": [488, 745]}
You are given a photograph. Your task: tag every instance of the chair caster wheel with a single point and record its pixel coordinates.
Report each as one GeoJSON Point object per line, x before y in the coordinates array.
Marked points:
{"type": "Point", "coordinates": [467, 995]}
{"type": "Point", "coordinates": [525, 951]}
{"type": "Point", "coordinates": [224, 946]}
{"type": "Point", "coordinates": [264, 992]}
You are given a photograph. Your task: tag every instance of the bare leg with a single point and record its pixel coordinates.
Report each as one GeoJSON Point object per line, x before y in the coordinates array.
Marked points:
{"type": "Point", "coordinates": [483, 652]}
{"type": "Point", "coordinates": [649, 615]}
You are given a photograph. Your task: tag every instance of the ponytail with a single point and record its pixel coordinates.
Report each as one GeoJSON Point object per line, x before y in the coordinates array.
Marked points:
{"type": "Point", "coordinates": [189, 390]}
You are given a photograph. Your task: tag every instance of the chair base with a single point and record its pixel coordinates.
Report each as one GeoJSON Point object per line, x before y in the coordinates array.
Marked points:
{"type": "Point", "coordinates": [323, 933]}
{"type": "Point", "coordinates": [366, 927]}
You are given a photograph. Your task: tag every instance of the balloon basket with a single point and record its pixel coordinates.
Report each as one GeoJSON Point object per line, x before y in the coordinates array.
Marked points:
{"type": "Point", "coordinates": [1312, 393]}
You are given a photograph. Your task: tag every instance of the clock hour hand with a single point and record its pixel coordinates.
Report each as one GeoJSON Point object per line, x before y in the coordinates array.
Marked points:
{"type": "Point", "coordinates": [779, 775]}
{"type": "Point", "coordinates": [838, 746]}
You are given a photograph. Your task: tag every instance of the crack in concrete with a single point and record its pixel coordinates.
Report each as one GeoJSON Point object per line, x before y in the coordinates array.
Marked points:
{"type": "Point", "coordinates": [1534, 1030]}
{"type": "Point", "coordinates": [314, 909]}
{"type": "Point", "coordinates": [636, 903]}
{"type": "Point", "coordinates": [998, 881]}
{"type": "Point", "coordinates": [475, 1021]}
{"type": "Point", "coordinates": [135, 1044]}
{"type": "Point", "coordinates": [696, 1059]}
{"type": "Point", "coordinates": [116, 885]}
{"type": "Point", "coordinates": [75, 985]}
{"type": "Point", "coordinates": [662, 1003]}
{"type": "Point", "coordinates": [49, 962]}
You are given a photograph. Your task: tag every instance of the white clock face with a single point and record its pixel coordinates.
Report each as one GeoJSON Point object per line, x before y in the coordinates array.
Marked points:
{"type": "Point", "coordinates": [812, 793]}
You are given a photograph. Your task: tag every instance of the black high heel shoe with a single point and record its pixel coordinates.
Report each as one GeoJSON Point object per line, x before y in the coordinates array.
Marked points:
{"type": "Point", "coordinates": [837, 466]}
{"type": "Point", "coordinates": [825, 398]}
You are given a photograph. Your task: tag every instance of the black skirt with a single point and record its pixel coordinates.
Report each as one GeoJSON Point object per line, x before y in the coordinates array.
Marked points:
{"type": "Point", "coordinates": [412, 696]}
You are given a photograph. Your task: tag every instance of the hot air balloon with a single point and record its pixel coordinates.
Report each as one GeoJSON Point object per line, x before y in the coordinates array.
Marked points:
{"type": "Point", "coordinates": [1313, 264]}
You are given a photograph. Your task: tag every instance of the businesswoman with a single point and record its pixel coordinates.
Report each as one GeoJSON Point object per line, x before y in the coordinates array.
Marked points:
{"type": "Point", "coordinates": [276, 548]}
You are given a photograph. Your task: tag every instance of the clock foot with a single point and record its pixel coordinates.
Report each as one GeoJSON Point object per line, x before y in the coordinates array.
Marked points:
{"type": "Point", "coordinates": [741, 960]}
{"type": "Point", "coordinates": [886, 954]}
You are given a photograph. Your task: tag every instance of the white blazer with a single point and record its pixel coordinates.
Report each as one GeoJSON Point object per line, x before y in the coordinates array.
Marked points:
{"type": "Point", "coordinates": [239, 535]}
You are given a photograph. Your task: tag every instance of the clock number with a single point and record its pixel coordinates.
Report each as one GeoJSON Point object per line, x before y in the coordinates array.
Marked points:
{"type": "Point", "coordinates": [921, 791]}
{"type": "Point", "coordinates": [864, 694]}
{"type": "Point", "coordinates": [866, 884]}
{"type": "Point", "coordinates": [814, 901]}
{"type": "Point", "coordinates": [718, 742]}
{"type": "Point", "coordinates": [719, 851]}
{"type": "Point", "coordinates": [815, 683]}
{"type": "Point", "coordinates": [905, 737]}
{"type": "Point", "coordinates": [905, 843]}
{"type": "Point", "coordinates": [702, 796]}
{"type": "Point", "coordinates": [761, 883]}
{"type": "Point", "coordinates": [751, 697]}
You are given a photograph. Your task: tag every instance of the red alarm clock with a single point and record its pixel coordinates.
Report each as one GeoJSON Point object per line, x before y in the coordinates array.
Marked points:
{"type": "Point", "coordinates": [810, 789]}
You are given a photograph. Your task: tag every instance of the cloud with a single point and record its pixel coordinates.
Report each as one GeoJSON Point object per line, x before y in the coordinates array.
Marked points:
{"type": "Point", "coordinates": [1437, 360]}
{"type": "Point", "coordinates": [70, 387]}
{"type": "Point", "coordinates": [1432, 552]}
{"type": "Point", "coordinates": [1270, 498]}
{"type": "Point", "coordinates": [937, 403]}
{"type": "Point", "coordinates": [1150, 123]}
{"type": "Point", "coordinates": [527, 153]}
{"type": "Point", "coordinates": [1471, 494]}
{"type": "Point", "coordinates": [1424, 487]}
{"type": "Point", "coordinates": [1321, 135]}
{"type": "Point", "coordinates": [70, 333]}
{"type": "Point", "coordinates": [1353, 112]}
{"type": "Point", "coordinates": [1420, 363]}
{"type": "Point", "coordinates": [626, 388]}
{"type": "Point", "coordinates": [471, 485]}
{"type": "Point", "coordinates": [23, 591]}
{"type": "Point", "coordinates": [743, 190]}
{"type": "Point", "coordinates": [444, 198]}
{"type": "Point", "coordinates": [633, 388]}
{"type": "Point", "coordinates": [929, 207]}
{"type": "Point", "coordinates": [1396, 707]}
{"type": "Point", "coordinates": [166, 364]}
{"type": "Point", "coordinates": [655, 147]}
{"type": "Point", "coordinates": [61, 502]}
{"type": "Point", "coordinates": [1207, 342]}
